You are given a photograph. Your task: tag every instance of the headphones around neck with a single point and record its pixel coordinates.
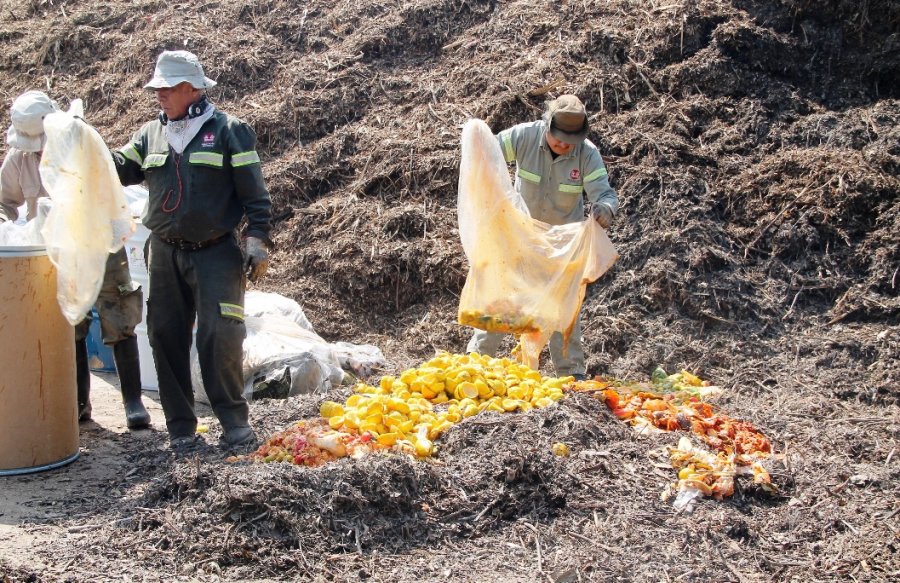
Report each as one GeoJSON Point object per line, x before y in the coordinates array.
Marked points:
{"type": "Point", "coordinates": [195, 109]}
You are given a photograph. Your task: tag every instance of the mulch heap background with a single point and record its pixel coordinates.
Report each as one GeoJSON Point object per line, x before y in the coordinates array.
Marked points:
{"type": "Point", "coordinates": [755, 147]}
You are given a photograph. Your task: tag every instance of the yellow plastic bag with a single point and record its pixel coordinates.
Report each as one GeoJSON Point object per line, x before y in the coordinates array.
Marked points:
{"type": "Point", "coordinates": [525, 277]}
{"type": "Point", "coordinates": [90, 217]}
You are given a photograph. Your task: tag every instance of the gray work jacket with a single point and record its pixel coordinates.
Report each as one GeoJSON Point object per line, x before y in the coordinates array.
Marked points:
{"type": "Point", "coordinates": [204, 192]}
{"type": "Point", "coordinates": [552, 188]}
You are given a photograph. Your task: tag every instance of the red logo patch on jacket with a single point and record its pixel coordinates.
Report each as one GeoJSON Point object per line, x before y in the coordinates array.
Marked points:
{"type": "Point", "coordinates": [574, 174]}
{"type": "Point", "coordinates": [209, 140]}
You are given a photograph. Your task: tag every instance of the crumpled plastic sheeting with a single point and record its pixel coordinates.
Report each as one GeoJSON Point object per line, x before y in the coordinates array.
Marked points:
{"type": "Point", "coordinates": [89, 218]}
{"type": "Point", "coordinates": [13, 234]}
{"type": "Point", "coordinates": [281, 355]}
{"type": "Point", "coordinates": [525, 277]}
{"type": "Point", "coordinates": [283, 358]}
{"type": "Point", "coordinates": [257, 303]}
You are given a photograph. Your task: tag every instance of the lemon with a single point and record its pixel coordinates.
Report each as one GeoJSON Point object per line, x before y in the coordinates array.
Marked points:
{"type": "Point", "coordinates": [351, 421]}
{"type": "Point", "coordinates": [543, 402]}
{"type": "Point", "coordinates": [466, 390]}
{"type": "Point", "coordinates": [388, 439]}
{"type": "Point", "coordinates": [517, 392]}
{"type": "Point", "coordinates": [560, 449]}
{"type": "Point", "coordinates": [398, 405]}
{"type": "Point", "coordinates": [330, 409]}
{"type": "Point", "coordinates": [373, 428]}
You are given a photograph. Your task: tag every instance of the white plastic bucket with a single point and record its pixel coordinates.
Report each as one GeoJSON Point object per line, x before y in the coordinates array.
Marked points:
{"type": "Point", "coordinates": [137, 264]}
{"type": "Point", "coordinates": [135, 249]}
{"type": "Point", "coordinates": [148, 366]}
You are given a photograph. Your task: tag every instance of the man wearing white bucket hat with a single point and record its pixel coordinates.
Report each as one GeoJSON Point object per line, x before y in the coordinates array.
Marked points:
{"type": "Point", "coordinates": [556, 165]}
{"type": "Point", "coordinates": [120, 299]}
{"type": "Point", "coordinates": [21, 181]}
{"type": "Point", "coordinates": [204, 178]}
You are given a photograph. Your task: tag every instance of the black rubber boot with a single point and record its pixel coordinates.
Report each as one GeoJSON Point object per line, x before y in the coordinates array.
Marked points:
{"type": "Point", "coordinates": [128, 364]}
{"type": "Point", "coordinates": [83, 380]}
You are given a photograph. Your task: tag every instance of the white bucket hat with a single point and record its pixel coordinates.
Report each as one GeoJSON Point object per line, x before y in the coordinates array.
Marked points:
{"type": "Point", "coordinates": [27, 115]}
{"type": "Point", "coordinates": [174, 67]}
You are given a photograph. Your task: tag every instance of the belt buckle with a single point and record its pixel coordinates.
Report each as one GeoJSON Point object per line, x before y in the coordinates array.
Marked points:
{"type": "Point", "coordinates": [181, 244]}
{"type": "Point", "coordinates": [186, 245]}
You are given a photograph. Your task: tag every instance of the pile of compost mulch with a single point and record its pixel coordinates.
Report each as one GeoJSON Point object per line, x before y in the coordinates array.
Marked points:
{"type": "Point", "coordinates": [496, 491]}
{"type": "Point", "coordinates": [755, 147]}
{"type": "Point", "coordinates": [493, 473]}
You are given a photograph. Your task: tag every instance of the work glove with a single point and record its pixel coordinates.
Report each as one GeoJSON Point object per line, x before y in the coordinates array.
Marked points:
{"type": "Point", "coordinates": [256, 258]}
{"type": "Point", "coordinates": [602, 213]}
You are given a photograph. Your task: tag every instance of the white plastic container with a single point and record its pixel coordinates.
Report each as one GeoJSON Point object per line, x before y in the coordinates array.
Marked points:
{"type": "Point", "coordinates": [137, 264]}
{"type": "Point", "coordinates": [135, 249]}
{"type": "Point", "coordinates": [148, 366]}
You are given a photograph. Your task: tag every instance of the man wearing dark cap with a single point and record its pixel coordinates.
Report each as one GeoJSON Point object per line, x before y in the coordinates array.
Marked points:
{"type": "Point", "coordinates": [555, 167]}
{"type": "Point", "coordinates": [204, 178]}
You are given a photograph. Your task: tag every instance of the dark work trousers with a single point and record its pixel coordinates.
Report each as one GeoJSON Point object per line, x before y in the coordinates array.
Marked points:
{"type": "Point", "coordinates": [119, 303]}
{"type": "Point", "coordinates": [206, 284]}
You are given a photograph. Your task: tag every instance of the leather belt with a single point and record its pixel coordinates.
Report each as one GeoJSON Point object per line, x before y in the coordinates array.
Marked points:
{"type": "Point", "coordinates": [185, 245]}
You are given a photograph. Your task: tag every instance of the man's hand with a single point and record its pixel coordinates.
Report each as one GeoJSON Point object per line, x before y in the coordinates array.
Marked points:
{"type": "Point", "coordinates": [256, 258]}
{"type": "Point", "coordinates": [601, 213]}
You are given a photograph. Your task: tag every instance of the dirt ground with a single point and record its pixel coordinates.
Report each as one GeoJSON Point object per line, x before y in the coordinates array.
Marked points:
{"type": "Point", "coordinates": [755, 147]}
{"type": "Point", "coordinates": [89, 482]}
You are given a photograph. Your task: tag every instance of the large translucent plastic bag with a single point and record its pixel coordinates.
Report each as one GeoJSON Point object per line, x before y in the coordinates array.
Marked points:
{"type": "Point", "coordinates": [90, 217]}
{"type": "Point", "coordinates": [525, 277]}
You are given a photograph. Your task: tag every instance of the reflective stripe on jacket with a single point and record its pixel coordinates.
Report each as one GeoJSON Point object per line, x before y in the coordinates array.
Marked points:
{"type": "Point", "coordinates": [204, 192]}
{"type": "Point", "coordinates": [552, 188]}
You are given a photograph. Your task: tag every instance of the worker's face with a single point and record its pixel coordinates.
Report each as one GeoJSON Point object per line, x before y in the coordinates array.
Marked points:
{"type": "Point", "coordinates": [559, 147]}
{"type": "Point", "coordinates": [174, 101]}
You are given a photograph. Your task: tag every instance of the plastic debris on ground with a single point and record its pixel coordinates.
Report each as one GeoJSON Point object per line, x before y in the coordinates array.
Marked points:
{"type": "Point", "coordinates": [283, 356]}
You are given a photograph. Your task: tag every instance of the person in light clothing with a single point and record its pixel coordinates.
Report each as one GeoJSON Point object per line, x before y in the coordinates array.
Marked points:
{"type": "Point", "coordinates": [120, 301]}
{"type": "Point", "coordinates": [556, 168]}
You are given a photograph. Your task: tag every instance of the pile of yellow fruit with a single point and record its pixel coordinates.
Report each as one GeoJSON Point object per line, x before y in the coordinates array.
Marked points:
{"type": "Point", "coordinates": [410, 411]}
